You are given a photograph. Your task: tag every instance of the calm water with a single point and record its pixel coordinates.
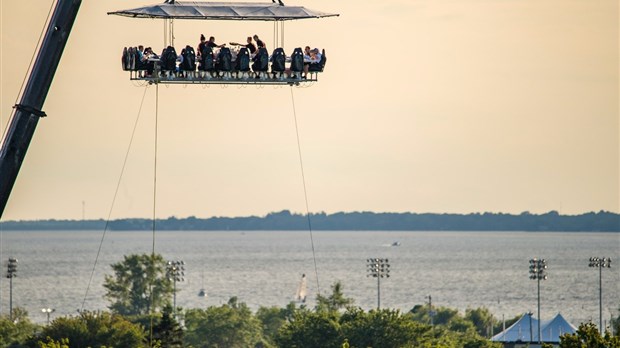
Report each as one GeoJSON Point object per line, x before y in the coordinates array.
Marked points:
{"type": "Point", "coordinates": [458, 269]}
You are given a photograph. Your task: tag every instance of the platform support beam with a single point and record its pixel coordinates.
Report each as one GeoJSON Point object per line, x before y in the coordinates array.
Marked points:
{"type": "Point", "coordinates": [27, 112]}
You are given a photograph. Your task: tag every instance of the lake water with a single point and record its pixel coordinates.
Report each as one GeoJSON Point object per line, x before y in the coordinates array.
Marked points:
{"type": "Point", "coordinates": [458, 269]}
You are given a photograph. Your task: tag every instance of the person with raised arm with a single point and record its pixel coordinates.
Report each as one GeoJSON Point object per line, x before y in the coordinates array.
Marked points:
{"type": "Point", "coordinates": [250, 45]}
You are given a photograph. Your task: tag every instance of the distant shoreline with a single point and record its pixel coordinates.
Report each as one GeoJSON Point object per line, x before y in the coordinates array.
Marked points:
{"type": "Point", "coordinates": [353, 221]}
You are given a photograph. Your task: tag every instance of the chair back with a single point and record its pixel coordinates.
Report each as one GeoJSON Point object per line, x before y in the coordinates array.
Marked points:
{"type": "Point", "coordinates": [206, 59]}
{"type": "Point", "coordinates": [243, 60]}
{"type": "Point", "coordinates": [262, 58]}
{"type": "Point", "coordinates": [278, 58]}
{"type": "Point", "coordinates": [189, 59]}
{"type": "Point", "coordinates": [297, 60]}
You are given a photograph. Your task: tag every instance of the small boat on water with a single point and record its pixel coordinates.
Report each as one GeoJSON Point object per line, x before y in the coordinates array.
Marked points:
{"type": "Point", "coordinates": [202, 293]}
{"type": "Point", "coordinates": [396, 243]}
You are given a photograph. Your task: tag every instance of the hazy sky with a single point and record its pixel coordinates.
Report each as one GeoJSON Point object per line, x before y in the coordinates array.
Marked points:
{"type": "Point", "coordinates": [425, 106]}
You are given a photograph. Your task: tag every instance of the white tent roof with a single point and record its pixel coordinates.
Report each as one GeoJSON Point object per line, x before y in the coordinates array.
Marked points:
{"type": "Point", "coordinates": [223, 11]}
{"type": "Point", "coordinates": [557, 327]}
{"type": "Point", "coordinates": [519, 331]}
{"type": "Point", "coordinates": [550, 330]}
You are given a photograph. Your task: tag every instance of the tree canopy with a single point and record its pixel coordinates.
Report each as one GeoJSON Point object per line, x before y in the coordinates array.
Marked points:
{"type": "Point", "coordinates": [588, 336]}
{"type": "Point", "coordinates": [231, 325]}
{"type": "Point", "coordinates": [94, 329]}
{"type": "Point", "coordinates": [139, 283]}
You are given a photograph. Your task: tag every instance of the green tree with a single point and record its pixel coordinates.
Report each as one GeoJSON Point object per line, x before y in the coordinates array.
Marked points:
{"type": "Point", "coordinates": [94, 329]}
{"type": "Point", "coordinates": [335, 301]}
{"type": "Point", "coordinates": [15, 333]}
{"type": "Point", "coordinates": [482, 319]}
{"type": "Point", "coordinates": [460, 324]}
{"type": "Point", "coordinates": [588, 336]}
{"type": "Point", "coordinates": [139, 282]}
{"type": "Point", "coordinates": [311, 330]}
{"type": "Point", "coordinates": [385, 328]}
{"type": "Point", "coordinates": [231, 325]}
{"type": "Point", "coordinates": [50, 343]}
{"type": "Point", "coordinates": [272, 319]}
{"type": "Point", "coordinates": [443, 315]}
{"type": "Point", "coordinates": [615, 324]}
{"type": "Point", "coordinates": [168, 333]}
{"type": "Point", "coordinates": [450, 328]}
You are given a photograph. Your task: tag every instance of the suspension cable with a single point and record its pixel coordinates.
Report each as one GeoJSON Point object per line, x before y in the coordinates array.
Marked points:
{"type": "Point", "coordinates": [152, 298]}
{"type": "Point", "coordinates": [282, 34]}
{"type": "Point", "coordinates": [172, 32]}
{"type": "Point", "coordinates": [155, 167]}
{"type": "Point", "coordinates": [275, 36]}
{"type": "Point", "coordinates": [303, 179]}
{"type": "Point", "coordinates": [165, 35]}
{"type": "Point", "coordinates": [278, 34]}
{"type": "Point", "coordinates": [118, 185]}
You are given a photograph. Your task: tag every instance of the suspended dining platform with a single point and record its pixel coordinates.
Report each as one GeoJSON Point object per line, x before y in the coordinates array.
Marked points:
{"type": "Point", "coordinates": [272, 70]}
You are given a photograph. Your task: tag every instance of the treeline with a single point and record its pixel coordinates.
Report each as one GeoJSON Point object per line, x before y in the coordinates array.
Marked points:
{"type": "Point", "coordinates": [355, 221]}
{"type": "Point", "coordinates": [141, 315]}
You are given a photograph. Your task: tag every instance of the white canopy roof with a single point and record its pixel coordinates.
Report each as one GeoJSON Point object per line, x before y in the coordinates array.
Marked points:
{"type": "Point", "coordinates": [550, 330]}
{"type": "Point", "coordinates": [223, 11]}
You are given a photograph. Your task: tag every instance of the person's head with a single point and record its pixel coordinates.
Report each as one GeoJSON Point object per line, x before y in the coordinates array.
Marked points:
{"type": "Point", "coordinates": [141, 48]}
{"type": "Point", "coordinates": [255, 37]}
{"type": "Point", "coordinates": [202, 38]}
{"type": "Point", "coordinates": [212, 39]}
{"type": "Point", "coordinates": [249, 39]}
{"type": "Point", "coordinates": [307, 49]}
{"type": "Point", "coordinates": [316, 51]}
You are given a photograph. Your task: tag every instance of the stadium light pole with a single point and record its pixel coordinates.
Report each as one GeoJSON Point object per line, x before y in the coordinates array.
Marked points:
{"type": "Point", "coordinates": [11, 273]}
{"type": "Point", "coordinates": [378, 268]}
{"type": "Point", "coordinates": [600, 263]}
{"type": "Point", "coordinates": [538, 271]}
{"type": "Point", "coordinates": [176, 272]}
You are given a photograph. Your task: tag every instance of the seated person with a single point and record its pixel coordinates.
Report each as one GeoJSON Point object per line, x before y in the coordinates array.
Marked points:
{"type": "Point", "coordinates": [250, 45]}
{"type": "Point", "coordinates": [150, 64]}
{"type": "Point", "coordinates": [179, 61]}
{"type": "Point", "coordinates": [140, 56]}
{"type": "Point", "coordinates": [307, 54]}
{"type": "Point", "coordinates": [314, 61]}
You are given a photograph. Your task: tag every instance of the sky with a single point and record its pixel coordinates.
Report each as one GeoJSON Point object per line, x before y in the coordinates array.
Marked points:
{"type": "Point", "coordinates": [440, 106]}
